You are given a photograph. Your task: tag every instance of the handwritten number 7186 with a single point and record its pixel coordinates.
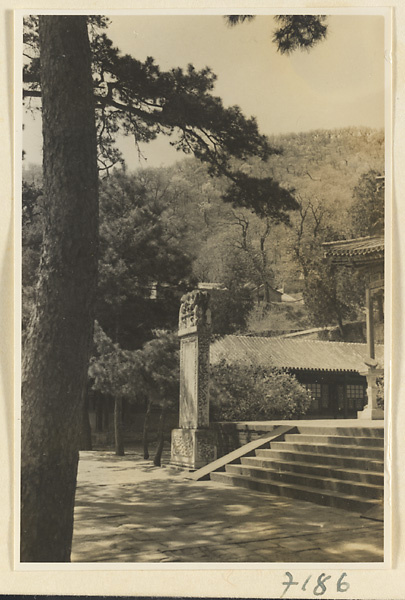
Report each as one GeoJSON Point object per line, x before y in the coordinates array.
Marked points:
{"type": "Point", "coordinates": [320, 587]}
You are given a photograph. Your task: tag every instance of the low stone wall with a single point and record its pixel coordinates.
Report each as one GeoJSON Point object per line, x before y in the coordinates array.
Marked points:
{"type": "Point", "coordinates": [231, 436]}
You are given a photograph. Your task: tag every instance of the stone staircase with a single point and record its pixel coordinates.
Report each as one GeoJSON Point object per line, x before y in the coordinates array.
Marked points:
{"type": "Point", "coordinates": [341, 467]}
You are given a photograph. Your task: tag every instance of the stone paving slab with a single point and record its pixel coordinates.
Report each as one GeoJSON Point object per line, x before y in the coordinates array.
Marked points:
{"type": "Point", "coordinates": [127, 510]}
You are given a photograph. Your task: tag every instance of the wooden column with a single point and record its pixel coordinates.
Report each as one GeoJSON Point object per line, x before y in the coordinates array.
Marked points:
{"type": "Point", "coordinates": [370, 323]}
{"type": "Point", "coordinates": [371, 410]}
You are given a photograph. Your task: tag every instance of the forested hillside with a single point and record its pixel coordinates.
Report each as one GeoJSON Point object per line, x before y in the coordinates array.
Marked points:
{"type": "Point", "coordinates": [168, 229]}
{"type": "Point", "coordinates": [164, 231]}
{"type": "Point", "coordinates": [333, 175]}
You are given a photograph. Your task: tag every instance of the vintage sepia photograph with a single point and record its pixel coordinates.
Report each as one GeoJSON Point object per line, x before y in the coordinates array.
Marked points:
{"type": "Point", "coordinates": [202, 217]}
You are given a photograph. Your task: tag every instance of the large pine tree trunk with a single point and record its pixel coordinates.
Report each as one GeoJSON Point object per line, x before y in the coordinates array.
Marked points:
{"type": "Point", "coordinates": [60, 333]}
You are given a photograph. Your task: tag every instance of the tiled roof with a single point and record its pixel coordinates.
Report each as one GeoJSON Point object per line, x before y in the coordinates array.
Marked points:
{"type": "Point", "coordinates": [310, 355]}
{"type": "Point", "coordinates": [366, 246]}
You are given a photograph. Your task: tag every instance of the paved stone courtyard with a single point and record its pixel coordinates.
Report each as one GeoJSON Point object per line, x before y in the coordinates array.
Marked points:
{"type": "Point", "coordinates": [127, 510]}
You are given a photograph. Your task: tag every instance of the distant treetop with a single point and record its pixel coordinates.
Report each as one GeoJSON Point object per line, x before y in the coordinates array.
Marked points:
{"type": "Point", "coordinates": [294, 32]}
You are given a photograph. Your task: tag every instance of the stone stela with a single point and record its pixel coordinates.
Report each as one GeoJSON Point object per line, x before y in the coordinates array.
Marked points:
{"type": "Point", "coordinates": [193, 444]}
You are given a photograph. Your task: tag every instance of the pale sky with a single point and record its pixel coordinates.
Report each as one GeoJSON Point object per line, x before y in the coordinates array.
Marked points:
{"type": "Point", "coordinates": [338, 83]}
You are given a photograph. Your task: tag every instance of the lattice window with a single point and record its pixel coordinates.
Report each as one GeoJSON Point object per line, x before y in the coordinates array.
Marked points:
{"type": "Point", "coordinates": [316, 392]}
{"type": "Point", "coordinates": [325, 396]}
{"type": "Point", "coordinates": [355, 396]}
{"type": "Point", "coordinates": [341, 397]}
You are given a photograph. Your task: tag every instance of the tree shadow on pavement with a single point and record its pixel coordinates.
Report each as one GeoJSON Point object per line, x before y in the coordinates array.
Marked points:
{"type": "Point", "coordinates": [170, 519]}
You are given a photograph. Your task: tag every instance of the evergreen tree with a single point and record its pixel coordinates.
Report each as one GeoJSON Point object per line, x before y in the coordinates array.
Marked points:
{"type": "Point", "coordinates": [294, 31]}
{"type": "Point", "coordinates": [77, 83]}
{"type": "Point", "coordinates": [368, 205]}
{"type": "Point", "coordinates": [160, 372]}
{"type": "Point", "coordinates": [140, 100]}
{"type": "Point", "coordinates": [58, 342]}
{"type": "Point", "coordinates": [114, 372]}
{"type": "Point", "coordinates": [143, 267]}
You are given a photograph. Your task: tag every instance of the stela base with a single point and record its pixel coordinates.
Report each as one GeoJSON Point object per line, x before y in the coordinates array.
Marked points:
{"type": "Point", "coordinates": [193, 448]}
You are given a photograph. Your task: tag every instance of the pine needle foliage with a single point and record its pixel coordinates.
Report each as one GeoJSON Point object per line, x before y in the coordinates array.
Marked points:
{"type": "Point", "coordinates": [299, 32]}
{"type": "Point", "coordinates": [140, 100]}
{"type": "Point", "coordinates": [295, 32]}
{"type": "Point", "coordinates": [233, 20]}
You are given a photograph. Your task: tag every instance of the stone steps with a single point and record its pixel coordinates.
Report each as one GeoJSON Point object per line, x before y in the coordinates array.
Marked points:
{"type": "Point", "coordinates": [324, 459]}
{"type": "Point", "coordinates": [332, 466]}
{"type": "Point", "coordinates": [357, 432]}
{"type": "Point", "coordinates": [325, 483]}
{"type": "Point", "coordinates": [330, 449]}
{"type": "Point", "coordinates": [326, 498]}
{"type": "Point", "coordinates": [360, 475]}
{"type": "Point", "coordinates": [338, 440]}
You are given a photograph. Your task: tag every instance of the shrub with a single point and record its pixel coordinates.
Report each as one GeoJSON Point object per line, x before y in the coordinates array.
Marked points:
{"type": "Point", "coordinates": [380, 392]}
{"type": "Point", "coordinates": [243, 392]}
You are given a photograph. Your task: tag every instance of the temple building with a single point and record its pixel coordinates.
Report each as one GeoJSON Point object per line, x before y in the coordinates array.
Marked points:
{"type": "Point", "coordinates": [367, 255]}
{"type": "Point", "coordinates": [333, 372]}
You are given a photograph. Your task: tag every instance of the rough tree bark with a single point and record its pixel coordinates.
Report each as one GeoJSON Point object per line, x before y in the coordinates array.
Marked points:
{"type": "Point", "coordinates": [85, 432]}
{"type": "Point", "coordinates": [60, 333]}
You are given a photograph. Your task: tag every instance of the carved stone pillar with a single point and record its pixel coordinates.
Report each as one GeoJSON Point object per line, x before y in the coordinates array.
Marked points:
{"type": "Point", "coordinates": [371, 410]}
{"type": "Point", "coordinates": [193, 444]}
